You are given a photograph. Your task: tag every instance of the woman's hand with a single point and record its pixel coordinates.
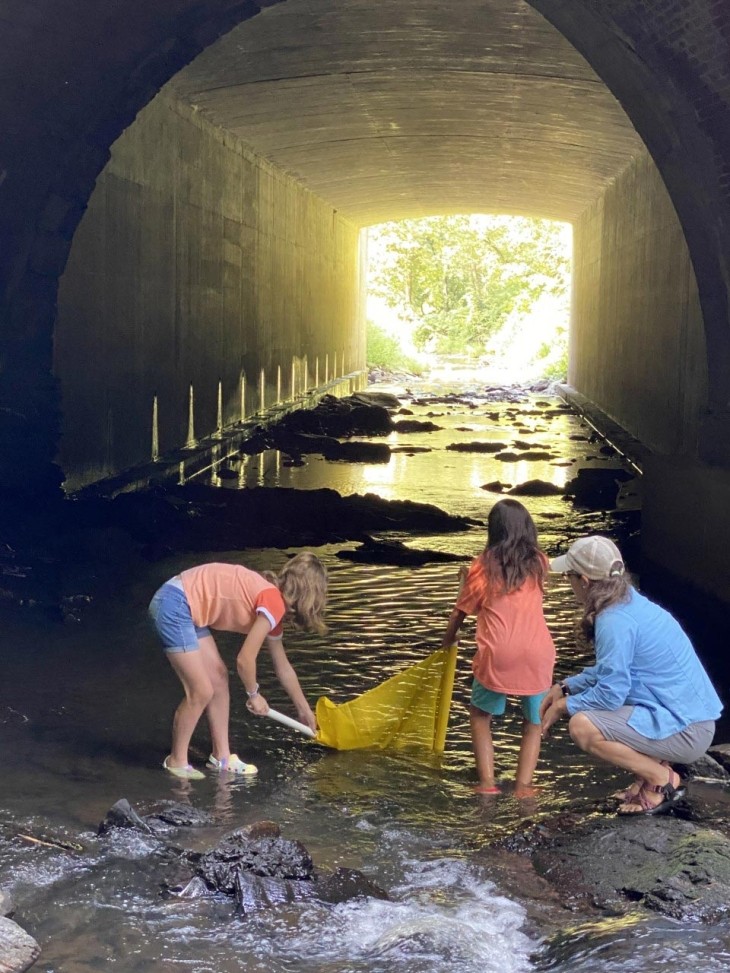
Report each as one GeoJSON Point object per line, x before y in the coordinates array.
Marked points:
{"type": "Point", "coordinates": [554, 694]}
{"type": "Point", "coordinates": [257, 705]}
{"type": "Point", "coordinates": [552, 713]}
{"type": "Point", "coordinates": [306, 716]}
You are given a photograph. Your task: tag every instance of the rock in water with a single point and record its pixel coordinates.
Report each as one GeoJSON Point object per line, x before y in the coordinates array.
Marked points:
{"type": "Point", "coordinates": [256, 892]}
{"type": "Point", "coordinates": [123, 815]}
{"type": "Point", "coordinates": [254, 864]}
{"type": "Point", "coordinates": [596, 489]}
{"type": "Point", "coordinates": [266, 857]}
{"type": "Point", "coordinates": [536, 488]}
{"type": "Point", "coordinates": [167, 815]}
{"type": "Point", "coordinates": [675, 867]}
{"type": "Point", "coordinates": [18, 950]}
{"type": "Point", "coordinates": [347, 883]}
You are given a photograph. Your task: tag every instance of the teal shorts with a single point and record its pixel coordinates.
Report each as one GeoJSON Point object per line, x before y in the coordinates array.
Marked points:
{"type": "Point", "coordinates": [490, 702]}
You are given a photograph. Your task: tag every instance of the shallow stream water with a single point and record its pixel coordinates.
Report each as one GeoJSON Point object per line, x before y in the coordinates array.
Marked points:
{"type": "Point", "coordinates": [84, 720]}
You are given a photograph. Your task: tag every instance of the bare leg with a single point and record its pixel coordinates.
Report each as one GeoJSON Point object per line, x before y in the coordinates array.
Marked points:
{"type": "Point", "coordinates": [529, 753]}
{"type": "Point", "coordinates": [481, 741]}
{"type": "Point", "coordinates": [192, 672]}
{"type": "Point", "coordinates": [218, 709]}
{"type": "Point", "coordinates": [591, 740]}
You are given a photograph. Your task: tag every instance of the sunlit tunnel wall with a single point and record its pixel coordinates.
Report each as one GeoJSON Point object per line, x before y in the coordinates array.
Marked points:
{"type": "Point", "coordinates": [638, 348]}
{"type": "Point", "coordinates": [636, 312]}
{"type": "Point", "coordinates": [202, 283]}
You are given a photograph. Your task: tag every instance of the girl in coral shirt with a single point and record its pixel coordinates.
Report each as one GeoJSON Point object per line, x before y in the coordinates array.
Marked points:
{"type": "Point", "coordinates": [515, 652]}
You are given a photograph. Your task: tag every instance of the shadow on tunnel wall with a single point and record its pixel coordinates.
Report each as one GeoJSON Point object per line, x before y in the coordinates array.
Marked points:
{"type": "Point", "coordinates": [704, 617]}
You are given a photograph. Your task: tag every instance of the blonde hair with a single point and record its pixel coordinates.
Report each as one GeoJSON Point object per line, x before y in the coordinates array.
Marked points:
{"type": "Point", "coordinates": [303, 585]}
{"type": "Point", "coordinates": [601, 595]}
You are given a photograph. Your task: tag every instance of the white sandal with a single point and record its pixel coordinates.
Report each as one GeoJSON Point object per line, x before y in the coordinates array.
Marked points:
{"type": "Point", "coordinates": [186, 773]}
{"type": "Point", "coordinates": [232, 765]}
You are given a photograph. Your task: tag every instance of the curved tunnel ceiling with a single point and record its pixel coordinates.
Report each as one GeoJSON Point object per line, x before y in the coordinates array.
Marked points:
{"type": "Point", "coordinates": [407, 108]}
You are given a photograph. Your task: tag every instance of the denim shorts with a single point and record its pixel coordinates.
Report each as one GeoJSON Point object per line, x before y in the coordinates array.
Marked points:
{"type": "Point", "coordinates": [170, 614]}
{"type": "Point", "coordinates": [490, 702]}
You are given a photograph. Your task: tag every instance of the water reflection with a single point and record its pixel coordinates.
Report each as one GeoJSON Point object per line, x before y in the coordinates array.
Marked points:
{"type": "Point", "coordinates": [630, 943]}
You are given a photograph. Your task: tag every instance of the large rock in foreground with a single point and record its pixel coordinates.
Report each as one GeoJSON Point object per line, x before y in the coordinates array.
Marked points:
{"type": "Point", "coordinates": [675, 867]}
{"type": "Point", "coordinates": [254, 864]}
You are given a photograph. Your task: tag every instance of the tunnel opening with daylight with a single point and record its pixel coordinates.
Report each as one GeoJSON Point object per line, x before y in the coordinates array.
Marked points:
{"type": "Point", "coordinates": [469, 298]}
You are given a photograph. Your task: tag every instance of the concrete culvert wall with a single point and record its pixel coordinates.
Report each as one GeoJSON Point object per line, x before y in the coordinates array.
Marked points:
{"type": "Point", "coordinates": [196, 267]}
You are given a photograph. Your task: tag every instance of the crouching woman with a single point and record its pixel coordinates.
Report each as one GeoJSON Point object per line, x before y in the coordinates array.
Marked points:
{"type": "Point", "coordinates": [647, 702]}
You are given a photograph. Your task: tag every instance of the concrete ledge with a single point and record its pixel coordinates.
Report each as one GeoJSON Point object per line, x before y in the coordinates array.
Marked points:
{"type": "Point", "coordinates": [633, 451]}
{"type": "Point", "coordinates": [184, 464]}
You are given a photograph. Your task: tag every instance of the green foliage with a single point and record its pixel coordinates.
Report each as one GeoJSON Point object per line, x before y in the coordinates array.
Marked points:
{"type": "Point", "coordinates": [458, 279]}
{"type": "Point", "coordinates": [557, 369]}
{"type": "Point", "coordinates": [384, 351]}
{"type": "Point", "coordinates": [555, 357]}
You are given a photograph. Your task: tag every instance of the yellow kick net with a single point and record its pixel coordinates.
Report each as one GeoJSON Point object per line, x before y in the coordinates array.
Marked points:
{"type": "Point", "coordinates": [409, 710]}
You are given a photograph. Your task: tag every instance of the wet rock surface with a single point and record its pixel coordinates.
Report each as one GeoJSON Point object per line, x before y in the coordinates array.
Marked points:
{"type": "Point", "coordinates": [7, 905]}
{"type": "Point", "coordinates": [536, 488]}
{"type": "Point", "coordinates": [596, 489]}
{"type": "Point", "coordinates": [373, 551]}
{"type": "Point", "coordinates": [298, 444]}
{"type": "Point", "coordinates": [415, 425]}
{"type": "Point", "coordinates": [533, 455]}
{"type": "Point", "coordinates": [167, 816]}
{"type": "Point", "coordinates": [715, 765]}
{"type": "Point", "coordinates": [269, 857]}
{"type": "Point", "coordinates": [356, 415]}
{"type": "Point", "coordinates": [254, 864]}
{"type": "Point", "coordinates": [199, 517]}
{"type": "Point", "coordinates": [18, 950]}
{"type": "Point", "coordinates": [476, 447]}
{"type": "Point", "coordinates": [596, 860]}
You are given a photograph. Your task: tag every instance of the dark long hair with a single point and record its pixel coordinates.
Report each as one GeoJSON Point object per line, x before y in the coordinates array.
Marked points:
{"type": "Point", "coordinates": [512, 554]}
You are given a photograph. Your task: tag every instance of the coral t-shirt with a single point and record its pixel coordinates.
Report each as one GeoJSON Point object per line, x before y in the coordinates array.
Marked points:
{"type": "Point", "coordinates": [515, 651]}
{"type": "Point", "coordinates": [229, 597]}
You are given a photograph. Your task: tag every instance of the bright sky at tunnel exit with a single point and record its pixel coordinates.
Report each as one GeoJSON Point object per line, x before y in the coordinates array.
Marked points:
{"type": "Point", "coordinates": [478, 291]}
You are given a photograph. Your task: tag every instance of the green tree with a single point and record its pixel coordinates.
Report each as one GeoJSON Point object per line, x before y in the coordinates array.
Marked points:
{"type": "Point", "coordinates": [384, 351]}
{"type": "Point", "coordinates": [458, 278]}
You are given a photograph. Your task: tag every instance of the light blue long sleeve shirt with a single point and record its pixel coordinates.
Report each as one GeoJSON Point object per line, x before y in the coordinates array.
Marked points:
{"type": "Point", "coordinates": [645, 660]}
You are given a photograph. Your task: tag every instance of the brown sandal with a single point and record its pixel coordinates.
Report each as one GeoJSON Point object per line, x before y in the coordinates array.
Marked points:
{"type": "Point", "coordinates": [670, 794]}
{"type": "Point", "coordinates": [629, 794]}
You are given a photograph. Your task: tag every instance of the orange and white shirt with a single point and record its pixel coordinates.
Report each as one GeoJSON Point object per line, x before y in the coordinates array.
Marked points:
{"type": "Point", "coordinates": [515, 651]}
{"type": "Point", "coordinates": [228, 597]}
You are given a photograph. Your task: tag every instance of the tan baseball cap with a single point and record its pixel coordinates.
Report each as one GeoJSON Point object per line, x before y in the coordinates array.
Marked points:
{"type": "Point", "coordinates": [594, 557]}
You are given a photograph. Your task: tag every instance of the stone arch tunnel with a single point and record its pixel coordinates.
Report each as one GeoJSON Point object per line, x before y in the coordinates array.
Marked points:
{"type": "Point", "coordinates": [183, 186]}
